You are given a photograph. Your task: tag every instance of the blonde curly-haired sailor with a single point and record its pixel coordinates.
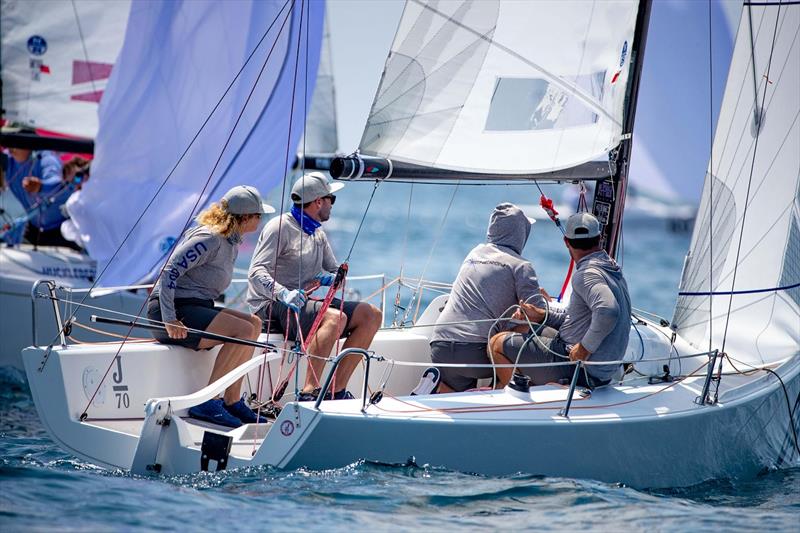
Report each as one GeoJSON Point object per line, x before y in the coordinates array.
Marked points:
{"type": "Point", "coordinates": [198, 272]}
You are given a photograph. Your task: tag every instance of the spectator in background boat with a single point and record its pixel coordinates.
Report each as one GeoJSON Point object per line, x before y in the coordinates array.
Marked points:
{"type": "Point", "coordinates": [76, 173]}
{"type": "Point", "coordinates": [34, 178]}
{"type": "Point", "coordinates": [198, 272]}
{"type": "Point", "coordinates": [493, 278]}
{"type": "Point", "coordinates": [292, 257]}
{"type": "Point", "coordinates": [594, 327]}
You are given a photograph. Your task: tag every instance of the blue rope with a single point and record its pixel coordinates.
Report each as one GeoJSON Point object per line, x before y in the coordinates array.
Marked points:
{"type": "Point", "coordinates": [730, 293]}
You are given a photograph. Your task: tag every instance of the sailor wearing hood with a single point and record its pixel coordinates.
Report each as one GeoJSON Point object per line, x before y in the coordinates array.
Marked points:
{"type": "Point", "coordinates": [492, 279]}
{"type": "Point", "coordinates": [595, 325]}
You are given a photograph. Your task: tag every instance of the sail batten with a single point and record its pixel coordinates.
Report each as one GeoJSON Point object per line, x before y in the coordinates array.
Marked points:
{"type": "Point", "coordinates": [500, 87]}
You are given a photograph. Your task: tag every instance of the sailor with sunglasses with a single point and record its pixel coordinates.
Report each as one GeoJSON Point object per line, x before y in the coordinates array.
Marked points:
{"type": "Point", "coordinates": [293, 256]}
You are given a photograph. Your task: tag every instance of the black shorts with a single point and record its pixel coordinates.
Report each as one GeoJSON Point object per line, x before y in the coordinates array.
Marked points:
{"type": "Point", "coordinates": [277, 321]}
{"type": "Point", "coordinates": [195, 313]}
{"type": "Point", "coordinates": [473, 353]}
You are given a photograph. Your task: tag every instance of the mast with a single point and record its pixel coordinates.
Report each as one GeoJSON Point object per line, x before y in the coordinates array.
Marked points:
{"type": "Point", "coordinates": [609, 194]}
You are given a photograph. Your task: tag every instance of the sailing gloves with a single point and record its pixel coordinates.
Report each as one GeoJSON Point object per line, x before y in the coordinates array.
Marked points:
{"type": "Point", "coordinates": [325, 278]}
{"type": "Point", "coordinates": [294, 299]}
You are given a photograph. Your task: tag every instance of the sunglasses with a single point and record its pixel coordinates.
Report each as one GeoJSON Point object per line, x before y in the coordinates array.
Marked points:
{"type": "Point", "coordinates": [331, 197]}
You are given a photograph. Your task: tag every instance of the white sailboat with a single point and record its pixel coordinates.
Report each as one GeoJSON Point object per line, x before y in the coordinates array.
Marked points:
{"type": "Point", "coordinates": [57, 58]}
{"type": "Point", "coordinates": [716, 392]}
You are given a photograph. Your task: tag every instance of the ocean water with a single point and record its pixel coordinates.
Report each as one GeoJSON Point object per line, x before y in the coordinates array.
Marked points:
{"type": "Point", "coordinates": [43, 487]}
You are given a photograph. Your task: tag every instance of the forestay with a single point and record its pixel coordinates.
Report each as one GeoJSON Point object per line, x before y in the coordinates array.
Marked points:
{"type": "Point", "coordinates": [504, 87]}
{"type": "Point", "coordinates": [743, 266]}
{"type": "Point", "coordinates": [57, 58]}
{"type": "Point", "coordinates": [175, 66]}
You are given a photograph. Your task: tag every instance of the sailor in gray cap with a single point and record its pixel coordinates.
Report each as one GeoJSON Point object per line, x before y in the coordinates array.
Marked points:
{"type": "Point", "coordinates": [594, 326]}
{"type": "Point", "coordinates": [198, 271]}
{"type": "Point", "coordinates": [292, 256]}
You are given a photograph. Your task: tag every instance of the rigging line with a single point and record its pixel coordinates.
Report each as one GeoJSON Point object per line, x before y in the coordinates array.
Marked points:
{"type": "Point", "coordinates": [83, 46]}
{"type": "Point", "coordinates": [430, 254]}
{"type": "Point", "coordinates": [747, 195]}
{"type": "Point", "coordinates": [577, 91]}
{"type": "Point", "coordinates": [361, 224]}
{"type": "Point", "coordinates": [180, 159]}
{"type": "Point", "coordinates": [197, 202]}
{"type": "Point", "coordinates": [268, 307]}
{"type": "Point", "coordinates": [403, 255]}
{"type": "Point", "coordinates": [711, 183]}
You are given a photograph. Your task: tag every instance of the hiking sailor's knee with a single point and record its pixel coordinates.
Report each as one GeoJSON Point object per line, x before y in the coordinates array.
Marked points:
{"type": "Point", "coordinates": [336, 319]}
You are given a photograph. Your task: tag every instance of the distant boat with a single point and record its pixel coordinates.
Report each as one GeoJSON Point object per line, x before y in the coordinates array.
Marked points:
{"type": "Point", "coordinates": [57, 58]}
{"type": "Point", "coordinates": [471, 93]}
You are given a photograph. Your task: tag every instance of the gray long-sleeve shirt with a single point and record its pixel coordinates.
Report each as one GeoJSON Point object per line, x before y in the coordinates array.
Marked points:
{"type": "Point", "coordinates": [598, 314]}
{"type": "Point", "coordinates": [286, 258]}
{"type": "Point", "coordinates": [200, 267]}
{"type": "Point", "coordinates": [493, 277]}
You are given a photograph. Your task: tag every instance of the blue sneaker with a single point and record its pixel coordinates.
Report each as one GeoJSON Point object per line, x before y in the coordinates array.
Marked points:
{"type": "Point", "coordinates": [246, 415]}
{"type": "Point", "coordinates": [343, 394]}
{"type": "Point", "coordinates": [214, 411]}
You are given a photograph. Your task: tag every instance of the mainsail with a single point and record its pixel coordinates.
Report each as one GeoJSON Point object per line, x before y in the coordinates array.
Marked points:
{"type": "Point", "coordinates": [504, 87]}
{"type": "Point", "coordinates": [56, 61]}
{"type": "Point", "coordinates": [155, 152]}
{"type": "Point", "coordinates": [740, 287]}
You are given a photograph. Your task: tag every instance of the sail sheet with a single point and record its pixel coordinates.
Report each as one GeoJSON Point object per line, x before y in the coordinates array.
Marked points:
{"type": "Point", "coordinates": [56, 61]}
{"type": "Point", "coordinates": [167, 115]}
{"type": "Point", "coordinates": [320, 135]}
{"type": "Point", "coordinates": [504, 87]}
{"type": "Point", "coordinates": [741, 282]}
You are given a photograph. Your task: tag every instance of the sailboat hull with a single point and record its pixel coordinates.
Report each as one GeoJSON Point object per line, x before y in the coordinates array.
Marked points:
{"type": "Point", "coordinates": [686, 445]}
{"type": "Point", "coordinates": [638, 434]}
{"type": "Point", "coordinates": [26, 322]}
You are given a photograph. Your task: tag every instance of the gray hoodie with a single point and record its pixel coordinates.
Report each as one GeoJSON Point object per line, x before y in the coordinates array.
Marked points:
{"type": "Point", "coordinates": [598, 314]}
{"type": "Point", "coordinates": [493, 277]}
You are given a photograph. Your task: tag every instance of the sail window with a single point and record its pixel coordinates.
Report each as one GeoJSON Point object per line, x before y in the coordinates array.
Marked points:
{"type": "Point", "coordinates": [539, 104]}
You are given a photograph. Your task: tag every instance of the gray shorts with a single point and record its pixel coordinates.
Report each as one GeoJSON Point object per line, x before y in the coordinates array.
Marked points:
{"type": "Point", "coordinates": [461, 379]}
{"type": "Point", "coordinates": [278, 323]}
{"type": "Point", "coordinates": [540, 350]}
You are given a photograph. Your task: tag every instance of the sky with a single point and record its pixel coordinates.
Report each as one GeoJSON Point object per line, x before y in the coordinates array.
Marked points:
{"type": "Point", "coordinates": [673, 127]}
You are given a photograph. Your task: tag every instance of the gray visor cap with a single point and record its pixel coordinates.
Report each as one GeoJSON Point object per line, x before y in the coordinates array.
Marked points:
{"type": "Point", "coordinates": [245, 200]}
{"type": "Point", "coordinates": [582, 226]}
{"type": "Point", "coordinates": [312, 186]}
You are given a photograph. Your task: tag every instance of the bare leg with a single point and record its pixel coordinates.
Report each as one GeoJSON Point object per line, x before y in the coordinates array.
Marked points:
{"type": "Point", "coordinates": [231, 355]}
{"type": "Point", "coordinates": [498, 358]}
{"type": "Point", "coordinates": [330, 329]}
{"type": "Point", "coordinates": [366, 321]}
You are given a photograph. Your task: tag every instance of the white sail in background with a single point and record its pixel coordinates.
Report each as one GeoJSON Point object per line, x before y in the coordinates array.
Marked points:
{"type": "Point", "coordinates": [504, 86]}
{"type": "Point", "coordinates": [178, 59]}
{"type": "Point", "coordinates": [56, 61]}
{"type": "Point", "coordinates": [320, 135]}
{"type": "Point", "coordinates": [747, 237]}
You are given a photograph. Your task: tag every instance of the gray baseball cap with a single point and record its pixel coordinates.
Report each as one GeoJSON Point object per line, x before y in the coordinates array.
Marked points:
{"type": "Point", "coordinates": [582, 226]}
{"type": "Point", "coordinates": [312, 186]}
{"type": "Point", "coordinates": [245, 200]}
